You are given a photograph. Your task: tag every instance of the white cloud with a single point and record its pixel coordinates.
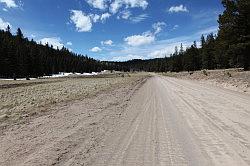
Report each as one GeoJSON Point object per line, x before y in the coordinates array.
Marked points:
{"type": "Point", "coordinates": [3, 24]}
{"type": "Point", "coordinates": [159, 48]}
{"type": "Point", "coordinates": [139, 18]}
{"type": "Point", "coordinates": [126, 58]}
{"type": "Point", "coordinates": [117, 4]}
{"type": "Point", "coordinates": [107, 42]}
{"type": "Point", "coordinates": [176, 9]}
{"type": "Point", "coordinates": [55, 41]}
{"type": "Point", "coordinates": [176, 27]}
{"type": "Point", "coordinates": [147, 37]}
{"type": "Point", "coordinates": [105, 16]}
{"type": "Point", "coordinates": [81, 20]}
{"type": "Point", "coordinates": [95, 17]}
{"type": "Point", "coordinates": [139, 40]}
{"type": "Point", "coordinates": [158, 27]}
{"type": "Point", "coordinates": [95, 49]}
{"type": "Point", "coordinates": [69, 43]}
{"type": "Point", "coordinates": [33, 36]}
{"type": "Point", "coordinates": [99, 4]}
{"type": "Point", "coordinates": [9, 3]}
{"type": "Point", "coordinates": [124, 14]}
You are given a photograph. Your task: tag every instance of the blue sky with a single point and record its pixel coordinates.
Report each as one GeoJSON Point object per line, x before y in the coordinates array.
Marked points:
{"type": "Point", "coordinates": [113, 29]}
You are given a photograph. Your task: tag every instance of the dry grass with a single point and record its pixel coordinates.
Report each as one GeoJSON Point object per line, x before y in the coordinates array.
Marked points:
{"type": "Point", "coordinates": [21, 99]}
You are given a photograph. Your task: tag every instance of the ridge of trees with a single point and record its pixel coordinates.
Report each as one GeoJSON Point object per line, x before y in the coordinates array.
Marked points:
{"type": "Point", "coordinates": [20, 57]}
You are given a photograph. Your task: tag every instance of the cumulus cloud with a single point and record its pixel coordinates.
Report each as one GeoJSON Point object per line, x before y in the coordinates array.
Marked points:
{"type": "Point", "coordinates": [3, 24]}
{"type": "Point", "coordinates": [81, 20]}
{"type": "Point", "coordinates": [138, 40]}
{"type": "Point", "coordinates": [55, 41]}
{"type": "Point", "coordinates": [107, 42]}
{"type": "Point", "coordinates": [9, 3]}
{"type": "Point", "coordinates": [117, 4]}
{"type": "Point", "coordinates": [95, 49]}
{"type": "Point", "coordinates": [84, 22]}
{"type": "Point", "coordinates": [176, 9]}
{"type": "Point", "coordinates": [99, 4]}
{"type": "Point", "coordinates": [147, 37]}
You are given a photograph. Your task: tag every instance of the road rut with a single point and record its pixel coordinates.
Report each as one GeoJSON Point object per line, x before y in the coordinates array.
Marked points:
{"type": "Point", "coordinates": [165, 121]}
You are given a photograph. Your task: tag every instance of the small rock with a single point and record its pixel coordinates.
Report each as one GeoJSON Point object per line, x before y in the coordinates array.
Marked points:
{"type": "Point", "coordinates": [4, 116]}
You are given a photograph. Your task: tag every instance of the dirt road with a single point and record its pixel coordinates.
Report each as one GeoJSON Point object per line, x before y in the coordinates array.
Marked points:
{"type": "Point", "coordinates": [165, 121]}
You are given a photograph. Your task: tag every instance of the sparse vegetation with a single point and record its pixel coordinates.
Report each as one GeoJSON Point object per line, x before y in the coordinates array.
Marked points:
{"type": "Point", "coordinates": [19, 98]}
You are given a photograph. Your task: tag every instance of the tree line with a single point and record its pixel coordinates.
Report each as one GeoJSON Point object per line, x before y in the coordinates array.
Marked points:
{"type": "Point", "coordinates": [20, 57]}
{"type": "Point", "coordinates": [230, 48]}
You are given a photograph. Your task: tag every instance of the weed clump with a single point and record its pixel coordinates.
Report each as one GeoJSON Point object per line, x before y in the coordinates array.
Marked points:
{"type": "Point", "coordinates": [205, 72]}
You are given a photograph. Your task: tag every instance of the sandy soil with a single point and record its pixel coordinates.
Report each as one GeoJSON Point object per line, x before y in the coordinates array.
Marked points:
{"type": "Point", "coordinates": [233, 79]}
{"type": "Point", "coordinates": [161, 121]}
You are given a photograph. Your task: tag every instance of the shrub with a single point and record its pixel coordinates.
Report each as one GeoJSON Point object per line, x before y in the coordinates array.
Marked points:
{"type": "Point", "coordinates": [204, 72]}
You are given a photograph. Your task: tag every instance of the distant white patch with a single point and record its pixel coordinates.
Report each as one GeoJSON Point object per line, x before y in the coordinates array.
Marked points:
{"type": "Point", "coordinates": [107, 42]}
{"type": "Point", "coordinates": [126, 58]}
{"type": "Point", "coordinates": [19, 79]}
{"type": "Point", "coordinates": [95, 49]}
{"type": "Point", "coordinates": [64, 74]}
{"type": "Point", "coordinates": [4, 24]}
{"type": "Point", "coordinates": [69, 43]}
{"type": "Point", "coordinates": [9, 3]}
{"type": "Point", "coordinates": [176, 9]}
{"type": "Point", "coordinates": [54, 41]}
{"type": "Point", "coordinates": [4, 9]}
{"type": "Point", "coordinates": [81, 20]}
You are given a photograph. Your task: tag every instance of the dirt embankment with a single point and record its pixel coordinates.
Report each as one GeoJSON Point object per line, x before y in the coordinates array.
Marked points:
{"type": "Point", "coordinates": [22, 100]}
{"type": "Point", "coordinates": [233, 79]}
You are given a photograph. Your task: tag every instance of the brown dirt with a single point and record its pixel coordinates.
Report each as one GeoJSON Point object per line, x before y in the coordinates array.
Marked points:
{"type": "Point", "coordinates": [22, 100]}
{"type": "Point", "coordinates": [233, 79]}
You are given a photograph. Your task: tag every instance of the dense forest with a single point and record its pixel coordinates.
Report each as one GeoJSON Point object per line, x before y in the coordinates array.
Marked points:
{"type": "Point", "coordinates": [20, 57]}
{"type": "Point", "coordinates": [230, 48]}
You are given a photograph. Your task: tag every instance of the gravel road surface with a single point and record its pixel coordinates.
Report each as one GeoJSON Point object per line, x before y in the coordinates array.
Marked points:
{"type": "Point", "coordinates": [160, 121]}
